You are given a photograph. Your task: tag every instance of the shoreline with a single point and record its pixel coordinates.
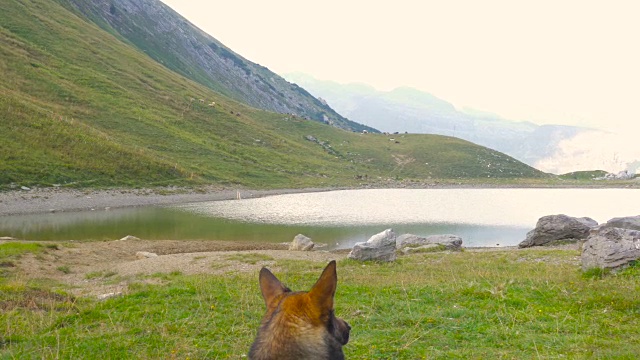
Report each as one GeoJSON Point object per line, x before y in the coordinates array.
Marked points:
{"type": "Point", "coordinates": [49, 200]}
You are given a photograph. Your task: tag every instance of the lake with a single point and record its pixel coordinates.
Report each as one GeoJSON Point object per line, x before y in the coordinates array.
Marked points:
{"type": "Point", "coordinates": [482, 217]}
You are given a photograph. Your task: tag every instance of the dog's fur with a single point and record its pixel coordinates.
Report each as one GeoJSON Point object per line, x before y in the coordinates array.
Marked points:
{"type": "Point", "coordinates": [300, 325]}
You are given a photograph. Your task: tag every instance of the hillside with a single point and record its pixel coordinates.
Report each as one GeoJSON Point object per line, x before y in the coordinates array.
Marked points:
{"type": "Point", "coordinates": [407, 109]}
{"type": "Point", "coordinates": [79, 106]}
{"type": "Point", "coordinates": [171, 40]}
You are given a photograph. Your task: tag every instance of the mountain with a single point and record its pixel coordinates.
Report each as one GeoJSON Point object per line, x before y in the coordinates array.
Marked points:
{"type": "Point", "coordinates": [414, 111]}
{"type": "Point", "coordinates": [171, 40]}
{"type": "Point", "coordinates": [82, 106]}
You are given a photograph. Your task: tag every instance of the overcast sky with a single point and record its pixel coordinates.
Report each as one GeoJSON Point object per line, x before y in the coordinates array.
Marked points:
{"type": "Point", "coordinates": [571, 62]}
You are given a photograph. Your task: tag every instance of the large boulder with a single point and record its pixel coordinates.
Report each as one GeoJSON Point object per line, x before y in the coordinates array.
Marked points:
{"type": "Point", "coordinates": [379, 247]}
{"type": "Point", "coordinates": [552, 228]}
{"type": "Point", "coordinates": [301, 243]}
{"type": "Point", "coordinates": [610, 248]}
{"type": "Point", "coordinates": [628, 222]}
{"type": "Point", "coordinates": [412, 242]}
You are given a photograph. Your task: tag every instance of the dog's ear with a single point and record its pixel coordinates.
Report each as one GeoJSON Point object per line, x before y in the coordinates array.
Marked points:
{"type": "Point", "coordinates": [324, 290]}
{"type": "Point", "coordinates": [270, 286]}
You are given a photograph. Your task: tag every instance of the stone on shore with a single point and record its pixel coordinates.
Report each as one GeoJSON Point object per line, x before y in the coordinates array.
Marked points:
{"type": "Point", "coordinates": [411, 243]}
{"type": "Point", "coordinates": [301, 243]}
{"type": "Point", "coordinates": [379, 247]}
{"type": "Point", "coordinates": [129, 238]}
{"type": "Point", "coordinates": [553, 228]}
{"type": "Point", "coordinates": [611, 248]}
{"type": "Point", "coordinates": [145, 255]}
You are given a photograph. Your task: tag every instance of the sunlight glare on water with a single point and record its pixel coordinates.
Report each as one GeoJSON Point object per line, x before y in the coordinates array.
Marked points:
{"type": "Point", "coordinates": [498, 207]}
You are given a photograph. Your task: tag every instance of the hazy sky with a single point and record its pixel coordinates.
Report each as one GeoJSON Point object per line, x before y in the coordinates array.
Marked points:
{"type": "Point", "coordinates": [571, 62]}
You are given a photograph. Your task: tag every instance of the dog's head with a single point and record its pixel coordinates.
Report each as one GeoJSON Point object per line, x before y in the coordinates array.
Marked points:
{"type": "Point", "coordinates": [306, 319]}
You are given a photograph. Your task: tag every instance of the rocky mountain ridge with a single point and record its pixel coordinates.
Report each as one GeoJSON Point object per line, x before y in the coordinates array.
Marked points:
{"type": "Point", "coordinates": [173, 41]}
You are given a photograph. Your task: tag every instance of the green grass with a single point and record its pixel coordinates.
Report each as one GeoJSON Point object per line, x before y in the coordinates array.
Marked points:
{"type": "Point", "coordinates": [80, 107]}
{"type": "Point", "coordinates": [469, 305]}
{"type": "Point", "coordinates": [15, 249]}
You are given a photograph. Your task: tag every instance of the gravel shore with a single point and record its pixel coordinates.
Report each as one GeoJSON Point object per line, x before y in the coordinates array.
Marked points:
{"type": "Point", "coordinates": [32, 201]}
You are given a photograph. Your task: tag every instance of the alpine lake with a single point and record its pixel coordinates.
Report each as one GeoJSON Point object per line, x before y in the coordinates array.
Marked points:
{"type": "Point", "coordinates": [337, 219]}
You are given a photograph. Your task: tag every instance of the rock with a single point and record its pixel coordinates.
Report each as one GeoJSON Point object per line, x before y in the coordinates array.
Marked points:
{"type": "Point", "coordinates": [301, 243]}
{"type": "Point", "coordinates": [25, 188]}
{"type": "Point", "coordinates": [449, 242]}
{"type": "Point", "coordinates": [108, 295]}
{"type": "Point", "coordinates": [129, 237]}
{"type": "Point", "coordinates": [380, 247]}
{"type": "Point", "coordinates": [145, 255]}
{"type": "Point", "coordinates": [552, 228]}
{"type": "Point", "coordinates": [622, 175]}
{"type": "Point", "coordinates": [628, 222]}
{"type": "Point", "coordinates": [423, 248]}
{"type": "Point", "coordinates": [7, 238]}
{"type": "Point", "coordinates": [611, 248]}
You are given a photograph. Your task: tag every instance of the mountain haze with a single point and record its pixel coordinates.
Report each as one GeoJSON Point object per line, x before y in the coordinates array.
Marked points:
{"type": "Point", "coordinates": [83, 106]}
{"type": "Point", "coordinates": [414, 111]}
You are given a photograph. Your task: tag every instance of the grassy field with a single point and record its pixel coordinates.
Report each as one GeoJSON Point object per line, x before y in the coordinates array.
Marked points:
{"type": "Point", "coordinates": [515, 304]}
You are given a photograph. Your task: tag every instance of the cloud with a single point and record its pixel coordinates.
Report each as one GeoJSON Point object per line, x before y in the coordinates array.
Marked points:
{"type": "Point", "coordinates": [594, 150]}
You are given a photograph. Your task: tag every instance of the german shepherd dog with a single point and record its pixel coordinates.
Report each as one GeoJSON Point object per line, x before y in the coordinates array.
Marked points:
{"type": "Point", "coordinates": [300, 325]}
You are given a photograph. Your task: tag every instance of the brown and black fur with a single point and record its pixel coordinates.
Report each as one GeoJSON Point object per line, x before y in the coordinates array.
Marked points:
{"type": "Point", "coordinates": [300, 325]}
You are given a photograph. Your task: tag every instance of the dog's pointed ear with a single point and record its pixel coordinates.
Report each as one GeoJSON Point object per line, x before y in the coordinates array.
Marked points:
{"type": "Point", "coordinates": [324, 290]}
{"type": "Point", "coordinates": [270, 286]}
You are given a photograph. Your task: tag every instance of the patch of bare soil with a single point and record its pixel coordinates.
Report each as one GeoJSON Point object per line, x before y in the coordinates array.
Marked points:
{"type": "Point", "coordinates": [107, 268]}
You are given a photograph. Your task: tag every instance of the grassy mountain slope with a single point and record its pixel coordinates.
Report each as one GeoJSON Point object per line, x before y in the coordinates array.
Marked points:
{"type": "Point", "coordinates": [168, 38]}
{"type": "Point", "coordinates": [80, 106]}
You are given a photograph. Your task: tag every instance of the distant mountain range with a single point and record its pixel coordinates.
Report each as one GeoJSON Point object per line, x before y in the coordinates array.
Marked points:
{"type": "Point", "coordinates": [409, 110]}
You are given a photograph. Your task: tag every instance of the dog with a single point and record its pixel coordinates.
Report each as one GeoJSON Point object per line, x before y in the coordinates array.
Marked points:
{"type": "Point", "coordinates": [300, 325]}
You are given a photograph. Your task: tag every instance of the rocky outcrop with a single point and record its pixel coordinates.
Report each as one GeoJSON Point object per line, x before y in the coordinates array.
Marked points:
{"type": "Point", "coordinates": [413, 243]}
{"type": "Point", "coordinates": [610, 248]}
{"type": "Point", "coordinates": [628, 222]}
{"type": "Point", "coordinates": [553, 228]}
{"type": "Point", "coordinates": [379, 247]}
{"type": "Point", "coordinates": [301, 243]}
